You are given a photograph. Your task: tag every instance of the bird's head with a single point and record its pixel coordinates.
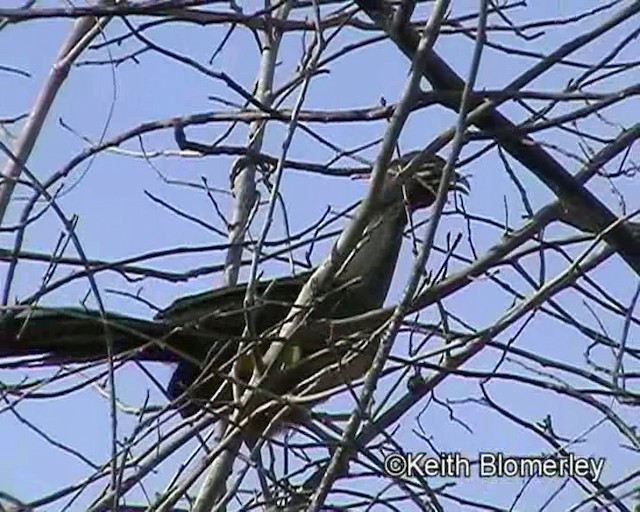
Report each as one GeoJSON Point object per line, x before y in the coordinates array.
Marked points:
{"type": "Point", "coordinates": [421, 189]}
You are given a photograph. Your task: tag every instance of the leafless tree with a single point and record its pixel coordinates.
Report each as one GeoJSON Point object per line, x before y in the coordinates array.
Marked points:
{"type": "Point", "coordinates": [176, 146]}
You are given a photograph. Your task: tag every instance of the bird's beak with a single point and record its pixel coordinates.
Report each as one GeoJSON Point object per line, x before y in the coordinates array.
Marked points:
{"type": "Point", "coordinates": [461, 184]}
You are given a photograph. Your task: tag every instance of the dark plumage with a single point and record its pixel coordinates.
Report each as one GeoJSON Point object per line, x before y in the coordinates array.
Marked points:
{"type": "Point", "coordinates": [202, 331]}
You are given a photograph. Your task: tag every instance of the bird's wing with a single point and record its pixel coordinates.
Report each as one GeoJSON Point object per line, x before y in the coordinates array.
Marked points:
{"type": "Point", "coordinates": [222, 310]}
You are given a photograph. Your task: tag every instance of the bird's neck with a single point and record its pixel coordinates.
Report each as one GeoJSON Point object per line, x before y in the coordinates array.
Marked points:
{"type": "Point", "coordinates": [375, 257]}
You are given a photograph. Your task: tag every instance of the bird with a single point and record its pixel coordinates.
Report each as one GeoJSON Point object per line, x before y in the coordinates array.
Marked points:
{"type": "Point", "coordinates": [203, 332]}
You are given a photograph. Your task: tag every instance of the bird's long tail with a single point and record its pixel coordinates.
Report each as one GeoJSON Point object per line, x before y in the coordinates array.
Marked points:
{"type": "Point", "coordinates": [64, 335]}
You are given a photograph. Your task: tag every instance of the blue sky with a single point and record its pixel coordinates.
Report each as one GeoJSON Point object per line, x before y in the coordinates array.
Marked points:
{"type": "Point", "coordinates": [117, 220]}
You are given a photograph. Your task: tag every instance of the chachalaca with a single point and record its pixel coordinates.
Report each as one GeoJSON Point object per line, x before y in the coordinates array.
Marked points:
{"type": "Point", "coordinates": [202, 331]}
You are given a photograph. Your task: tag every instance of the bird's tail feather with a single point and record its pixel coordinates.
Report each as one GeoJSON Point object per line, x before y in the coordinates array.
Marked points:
{"type": "Point", "coordinates": [75, 334]}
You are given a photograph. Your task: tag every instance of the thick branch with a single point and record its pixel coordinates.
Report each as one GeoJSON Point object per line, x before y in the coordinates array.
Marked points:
{"type": "Point", "coordinates": [572, 195]}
